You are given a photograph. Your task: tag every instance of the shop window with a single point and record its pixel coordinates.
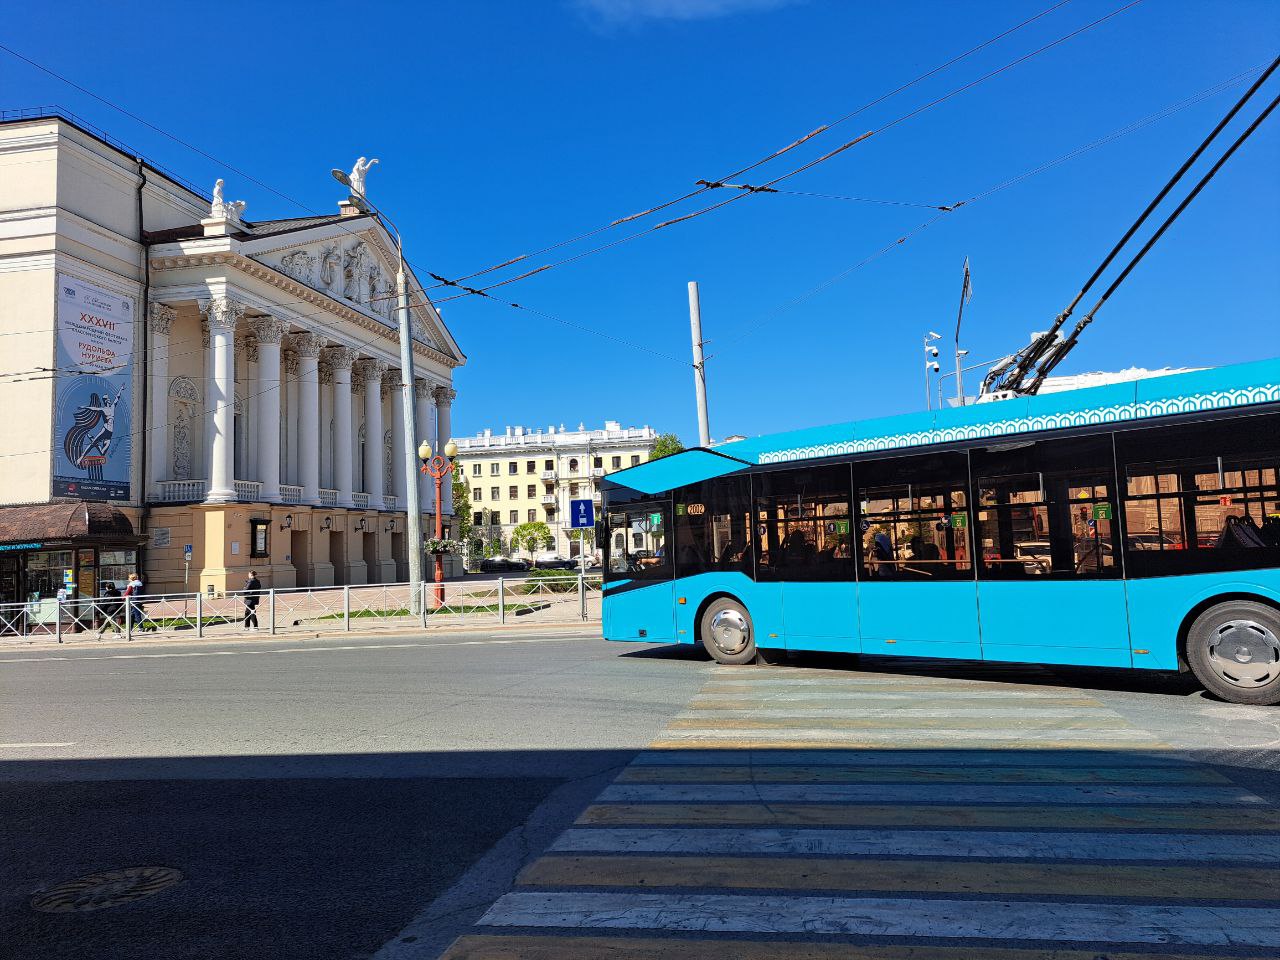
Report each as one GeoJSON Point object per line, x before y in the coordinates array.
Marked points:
{"type": "Point", "coordinates": [1046, 510]}
{"type": "Point", "coordinates": [912, 520]}
{"type": "Point", "coordinates": [713, 527]}
{"type": "Point", "coordinates": [116, 565]}
{"type": "Point", "coordinates": [1215, 506]}
{"type": "Point", "coordinates": [802, 520]}
{"type": "Point", "coordinates": [47, 571]}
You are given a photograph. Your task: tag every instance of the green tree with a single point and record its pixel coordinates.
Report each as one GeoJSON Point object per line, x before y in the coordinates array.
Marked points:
{"type": "Point", "coordinates": [665, 446]}
{"type": "Point", "coordinates": [461, 508]}
{"type": "Point", "coordinates": [532, 536]}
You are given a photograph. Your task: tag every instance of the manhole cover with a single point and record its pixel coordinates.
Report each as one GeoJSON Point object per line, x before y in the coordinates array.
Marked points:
{"type": "Point", "coordinates": [108, 889]}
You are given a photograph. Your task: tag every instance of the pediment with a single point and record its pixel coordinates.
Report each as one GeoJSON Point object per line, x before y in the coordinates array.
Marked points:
{"type": "Point", "coordinates": [354, 265]}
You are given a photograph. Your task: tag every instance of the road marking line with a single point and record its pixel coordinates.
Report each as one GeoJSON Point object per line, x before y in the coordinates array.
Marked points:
{"type": "Point", "coordinates": [1255, 885]}
{"type": "Point", "coordinates": [1134, 817]}
{"type": "Point", "coordinates": [923, 793]}
{"type": "Point", "coordinates": [795, 773]}
{"type": "Point", "coordinates": [934, 758]}
{"type": "Point", "coordinates": [901, 733]}
{"type": "Point", "coordinates": [1238, 848]}
{"type": "Point", "coordinates": [1027, 720]}
{"type": "Point", "coordinates": [872, 916]}
{"type": "Point", "coordinates": [19, 746]}
{"type": "Point", "coordinates": [585, 947]}
{"type": "Point", "coordinates": [326, 649]}
{"type": "Point", "coordinates": [861, 742]}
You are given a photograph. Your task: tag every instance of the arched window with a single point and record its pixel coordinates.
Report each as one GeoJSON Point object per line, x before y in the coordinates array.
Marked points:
{"type": "Point", "coordinates": [573, 465]}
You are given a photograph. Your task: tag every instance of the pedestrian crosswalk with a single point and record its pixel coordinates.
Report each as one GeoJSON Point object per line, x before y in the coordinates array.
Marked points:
{"type": "Point", "coordinates": [819, 815]}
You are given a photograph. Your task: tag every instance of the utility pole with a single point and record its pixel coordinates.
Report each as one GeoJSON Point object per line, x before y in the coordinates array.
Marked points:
{"type": "Point", "coordinates": [699, 365]}
{"type": "Point", "coordinates": [966, 294]}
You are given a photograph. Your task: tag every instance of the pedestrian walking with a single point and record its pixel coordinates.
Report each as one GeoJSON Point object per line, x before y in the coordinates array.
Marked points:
{"type": "Point", "coordinates": [252, 589]}
{"type": "Point", "coordinates": [111, 608]}
{"type": "Point", "coordinates": [132, 593]}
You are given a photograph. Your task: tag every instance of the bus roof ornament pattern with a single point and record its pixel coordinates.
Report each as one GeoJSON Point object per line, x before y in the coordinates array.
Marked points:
{"type": "Point", "coordinates": [1213, 389]}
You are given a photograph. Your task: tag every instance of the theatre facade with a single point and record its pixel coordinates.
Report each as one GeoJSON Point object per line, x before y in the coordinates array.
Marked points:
{"type": "Point", "coordinates": [219, 393]}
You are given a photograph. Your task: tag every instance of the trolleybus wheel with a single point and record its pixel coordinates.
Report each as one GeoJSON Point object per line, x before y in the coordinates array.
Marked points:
{"type": "Point", "coordinates": [1234, 650]}
{"type": "Point", "coordinates": [727, 632]}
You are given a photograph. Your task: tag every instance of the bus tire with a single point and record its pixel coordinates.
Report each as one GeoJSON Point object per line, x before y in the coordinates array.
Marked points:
{"type": "Point", "coordinates": [727, 632]}
{"type": "Point", "coordinates": [1233, 648]}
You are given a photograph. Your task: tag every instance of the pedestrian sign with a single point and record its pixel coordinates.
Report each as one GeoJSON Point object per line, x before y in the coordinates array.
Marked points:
{"type": "Point", "coordinates": [582, 513]}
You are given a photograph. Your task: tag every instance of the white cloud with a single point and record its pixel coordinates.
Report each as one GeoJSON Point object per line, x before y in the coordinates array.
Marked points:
{"type": "Point", "coordinates": [636, 11]}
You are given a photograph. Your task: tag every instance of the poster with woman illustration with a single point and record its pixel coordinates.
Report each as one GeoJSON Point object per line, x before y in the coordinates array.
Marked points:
{"type": "Point", "coordinates": [92, 446]}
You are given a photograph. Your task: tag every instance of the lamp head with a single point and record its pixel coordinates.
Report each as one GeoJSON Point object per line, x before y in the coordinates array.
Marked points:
{"type": "Point", "coordinates": [341, 177]}
{"type": "Point", "coordinates": [934, 336]}
{"type": "Point", "coordinates": [450, 449]}
{"type": "Point", "coordinates": [424, 451]}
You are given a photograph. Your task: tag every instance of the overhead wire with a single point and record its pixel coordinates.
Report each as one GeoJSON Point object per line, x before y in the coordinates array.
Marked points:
{"type": "Point", "coordinates": [1133, 127]}
{"type": "Point", "coordinates": [473, 291]}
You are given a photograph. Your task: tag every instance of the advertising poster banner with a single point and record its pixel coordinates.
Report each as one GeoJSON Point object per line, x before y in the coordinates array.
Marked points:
{"type": "Point", "coordinates": [92, 404]}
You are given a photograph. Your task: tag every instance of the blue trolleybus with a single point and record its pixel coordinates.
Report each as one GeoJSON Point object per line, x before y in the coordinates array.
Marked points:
{"type": "Point", "coordinates": [1128, 525]}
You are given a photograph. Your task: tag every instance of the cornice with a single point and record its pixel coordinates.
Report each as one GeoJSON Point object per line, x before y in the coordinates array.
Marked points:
{"type": "Point", "coordinates": [301, 292]}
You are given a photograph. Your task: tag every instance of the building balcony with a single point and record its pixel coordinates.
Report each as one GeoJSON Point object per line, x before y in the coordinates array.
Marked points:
{"type": "Point", "coordinates": [390, 501]}
{"type": "Point", "coordinates": [548, 500]}
{"type": "Point", "coordinates": [361, 500]}
{"type": "Point", "coordinates": [290, 493]}
{"type": "Point", "coordinates": [182, 491]}
{"type": "Point", "coordinates": [595, 495]}
{"type": "Point", "coordinates": [248, 490]}
{"type": "Point", "coordinates": [597, 471]}
{"type": "Point", "coordinates": [549, 476]}
{"type": "Point", "coordinates": [328, 498]}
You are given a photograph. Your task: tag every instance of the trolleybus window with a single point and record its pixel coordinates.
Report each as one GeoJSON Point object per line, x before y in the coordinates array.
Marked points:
{"type": "Point", "coordinates": [639, 548]}
{"type": "Point", "coordinates": [1215, 505]}
{"type": "Point", "coordinates": [912, 518]}
{"type": "Point", "coordinates": [1046, 510]}
{"type": "Point", "coordinates": [713, 527]}
{"type": "Point", "coordinates": [803, 524]}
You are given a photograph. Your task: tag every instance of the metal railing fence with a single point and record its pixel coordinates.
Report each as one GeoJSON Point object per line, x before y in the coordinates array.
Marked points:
{"type": "Point", "coordinates": [571, 598]}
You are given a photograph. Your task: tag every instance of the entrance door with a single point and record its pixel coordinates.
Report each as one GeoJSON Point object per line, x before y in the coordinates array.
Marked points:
{"type": "Point", "coordinates": [916, 592]}
{"type": "Point", "coordinates": [1050, 588]}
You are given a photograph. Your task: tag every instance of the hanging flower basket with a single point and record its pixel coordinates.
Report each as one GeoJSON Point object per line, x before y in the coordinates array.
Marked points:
{"type": "Point", "coordinates": [440, 545]}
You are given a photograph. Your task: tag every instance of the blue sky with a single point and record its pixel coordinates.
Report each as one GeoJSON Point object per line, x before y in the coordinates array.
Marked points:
{"type": "Point", "coordinates": [503, 127]}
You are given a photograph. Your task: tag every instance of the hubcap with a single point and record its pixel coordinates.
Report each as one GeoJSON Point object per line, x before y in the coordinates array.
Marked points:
{"type": "Point", "coordinates": [1245, 653]}
{"type": "Point", "coordinates": [730, 631]}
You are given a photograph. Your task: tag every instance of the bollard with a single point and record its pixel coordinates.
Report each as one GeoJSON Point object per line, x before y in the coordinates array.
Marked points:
{"type": "Point", "coordinates": [271, 610]}
{"type": "Point", "coordinates": [346, 607]}
{"type": "Point", "coordinates": [199, 616]}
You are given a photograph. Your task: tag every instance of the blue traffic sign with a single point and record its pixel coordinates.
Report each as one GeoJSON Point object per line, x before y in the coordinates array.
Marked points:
{"type": "Point", "coordinates": [582, 513]}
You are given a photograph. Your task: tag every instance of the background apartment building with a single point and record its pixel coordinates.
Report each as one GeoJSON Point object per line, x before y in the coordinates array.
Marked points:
{"type": "Point", "coordinates": [525, 475]}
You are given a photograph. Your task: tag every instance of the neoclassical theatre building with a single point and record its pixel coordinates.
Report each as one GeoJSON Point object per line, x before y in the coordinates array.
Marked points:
{"type": "Point", "coordinates": [192, 393]}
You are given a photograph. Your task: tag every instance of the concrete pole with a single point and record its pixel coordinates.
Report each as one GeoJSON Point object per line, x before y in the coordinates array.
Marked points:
{"type": "Point", "coordinates": [413, 502]}
{"type": "Point", "coordinates": [699, 365]}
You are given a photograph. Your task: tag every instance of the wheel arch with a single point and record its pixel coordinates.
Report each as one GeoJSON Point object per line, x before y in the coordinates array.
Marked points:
{"type": "Point", "coordinates": [1184, 628]}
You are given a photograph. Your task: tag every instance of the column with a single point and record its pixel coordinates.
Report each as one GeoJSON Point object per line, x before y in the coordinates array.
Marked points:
{"type": "Point", "coordinates": [270, 331]}
{"type": "Point", "coordinates": [162, 316]}
{"type": "Point", "coordinates": [393, 390]}
{"type": "Point", "coordinates": [371, 371]}
{"type": "Point", "coordinates": [292, 365]}
{"type": "Point", "coordinates": [326, 426]}
{"type": "Point", "coordinates": [223, 314]}
{"type": "Point", "coordinates": [424, 394]}
{"type": "Point", "coordinates": [340, 360]}
{"type": "Point", "coordinates": [247, 368]}
{"type": "Point", "coordinates": [306, 421]}
{"type": "Point", "coordinates": [444, 428]}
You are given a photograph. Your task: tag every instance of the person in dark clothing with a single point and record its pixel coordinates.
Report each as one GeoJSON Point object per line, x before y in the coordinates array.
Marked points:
{"type": "Point", "coordinates": [111, 609]}
{"type": "Point", "coordinates": [252, 588]}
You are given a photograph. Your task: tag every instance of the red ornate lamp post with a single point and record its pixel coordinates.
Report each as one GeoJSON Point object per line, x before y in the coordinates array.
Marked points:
{"type": "Point", "coordinates": [438, 467]}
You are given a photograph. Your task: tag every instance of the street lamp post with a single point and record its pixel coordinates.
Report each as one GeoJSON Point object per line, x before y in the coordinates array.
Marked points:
{"type": "Point", "coordinates": [413, 502]}
{"type": "Point", "coordinates": [438, 467]}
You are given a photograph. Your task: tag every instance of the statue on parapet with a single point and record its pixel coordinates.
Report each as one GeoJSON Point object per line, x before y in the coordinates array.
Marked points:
{"type": "Point", "coordinates": [219, 209]}
{"type": "Point", "coordinates": [358, 173]}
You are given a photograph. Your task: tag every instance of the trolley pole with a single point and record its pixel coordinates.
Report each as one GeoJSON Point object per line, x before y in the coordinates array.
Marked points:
{"type": "Point", "coordinates": [699, 365]}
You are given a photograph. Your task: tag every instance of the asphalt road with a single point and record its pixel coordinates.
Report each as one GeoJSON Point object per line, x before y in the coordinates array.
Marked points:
{"type": "Point", "coordinates": [353, 797]}
{"type": "Point", "coordinates": [314, 795]}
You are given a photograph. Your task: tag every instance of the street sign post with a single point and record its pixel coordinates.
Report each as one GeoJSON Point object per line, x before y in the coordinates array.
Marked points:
{"type": "Point", "coordinates": [582, 516]}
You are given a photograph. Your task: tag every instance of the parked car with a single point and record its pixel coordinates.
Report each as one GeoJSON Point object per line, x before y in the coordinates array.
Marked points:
{"type": "Point", "coordinates": [554, 562]}
{"type": "Point", "coordinates": [503, 565]}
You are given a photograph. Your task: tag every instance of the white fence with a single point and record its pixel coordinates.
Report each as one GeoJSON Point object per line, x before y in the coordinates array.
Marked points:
{"type": "Point", "coordinates": [565, 599]}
